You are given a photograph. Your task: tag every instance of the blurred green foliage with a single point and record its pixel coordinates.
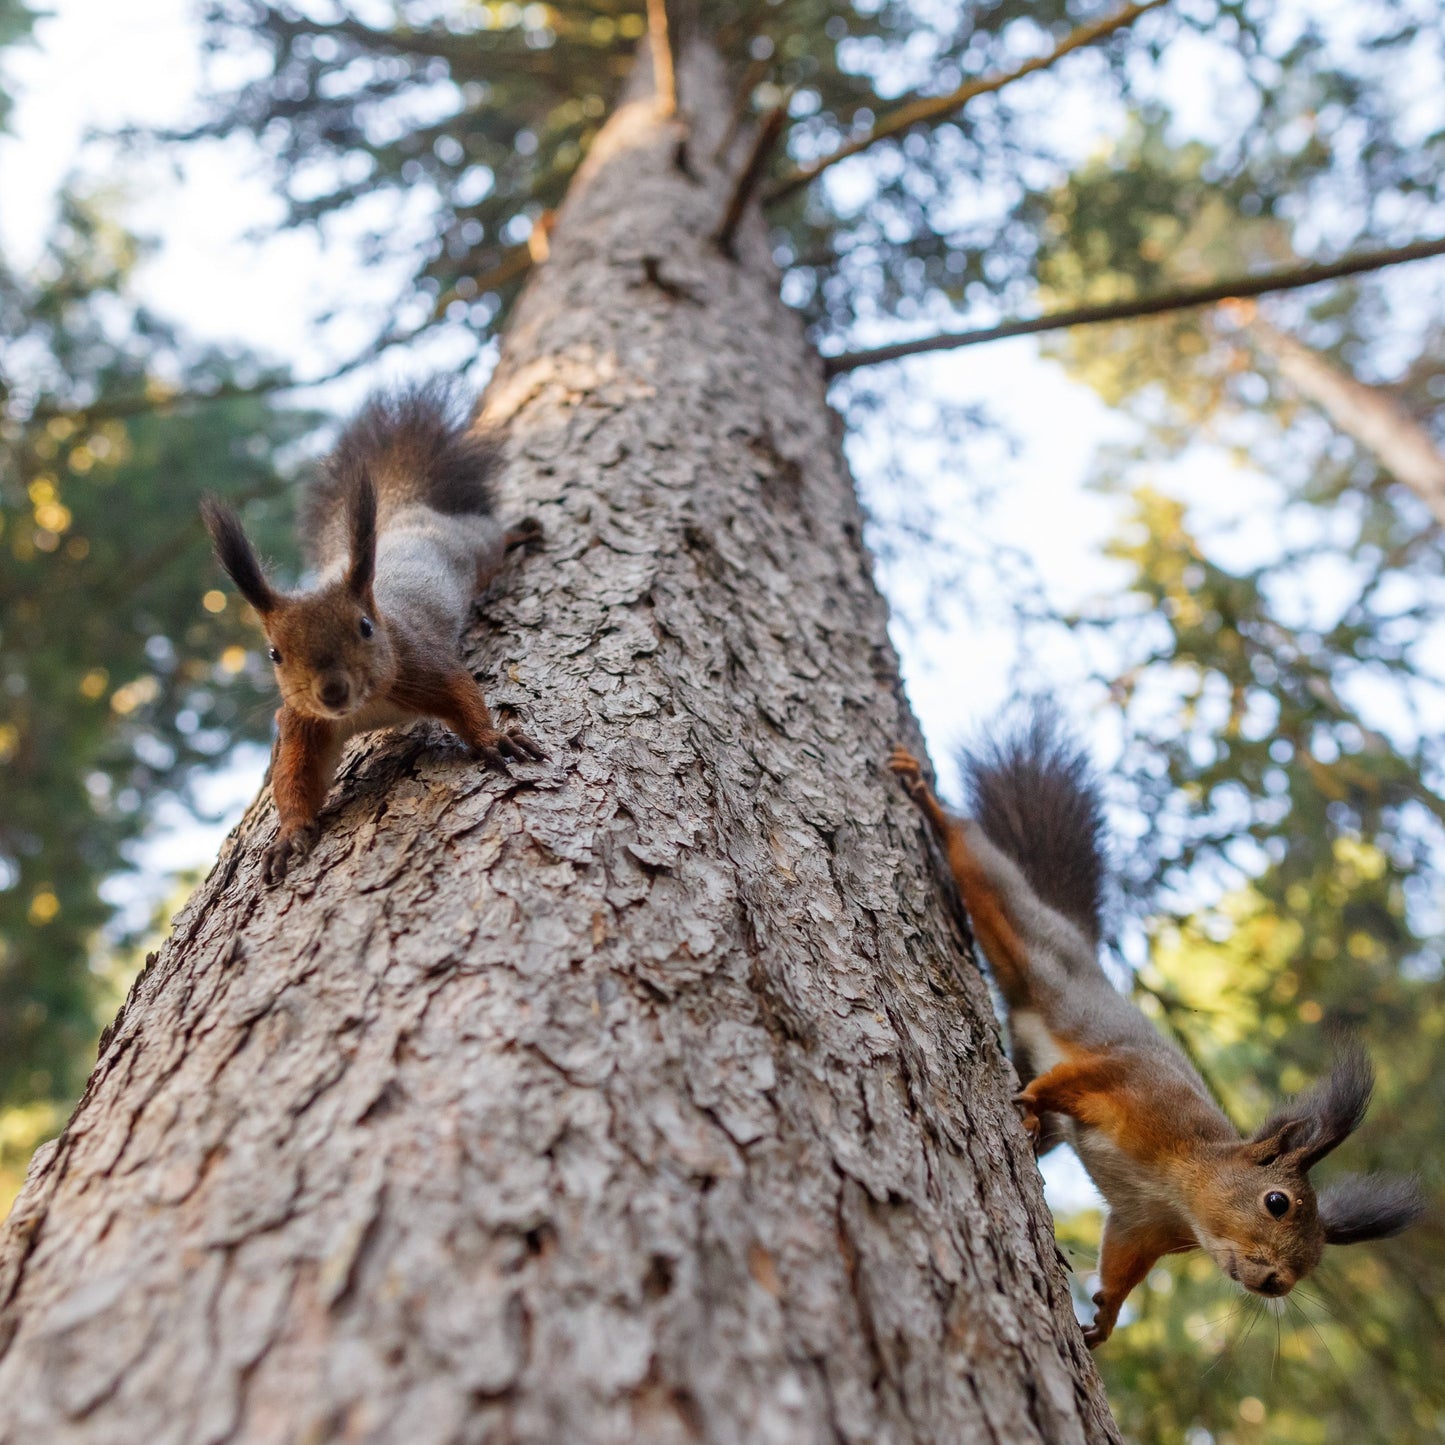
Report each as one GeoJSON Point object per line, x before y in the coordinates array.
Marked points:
{"type": "Point", "coordinates": [119, 657]}
{"type": "Point", "coordinates": [16, 23]}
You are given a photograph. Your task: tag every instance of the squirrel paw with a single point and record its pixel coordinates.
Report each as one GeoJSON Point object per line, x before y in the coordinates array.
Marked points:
{"type": "Point", "coordinates": [909, 771]}
{"type": "Point", "coordinates": [1029, 1118]}
{"type": "Point", "coordinates": [496, 748]}
{"type": "Point", "coordinates": [1103, 1326]}
{"type": "Point", "coordinates": [289, 848]}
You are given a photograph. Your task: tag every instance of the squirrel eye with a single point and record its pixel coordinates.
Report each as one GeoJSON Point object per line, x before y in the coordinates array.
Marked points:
{"type": "Point", "coordinates": [276, 655]}
{"type": "Point", "coordinates": [366, 627]}
{"type": "Point", "coordinates": [1277, 1203]}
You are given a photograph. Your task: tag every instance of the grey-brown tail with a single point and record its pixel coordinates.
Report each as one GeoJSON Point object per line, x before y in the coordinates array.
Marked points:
{"type": "Point", "coordinates": [1033, 790]}
{"type": "Point", "coordinates": [414, 444]}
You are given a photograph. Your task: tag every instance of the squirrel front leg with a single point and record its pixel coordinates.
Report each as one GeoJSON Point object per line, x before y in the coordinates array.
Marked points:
{"type": "Point", "coordinates": [525, 533]}
{"type": "Point", "coordinates": [305, 757]}
{"type": "Point", "coordinates": [1124, 1261]}
{"type": "Point", "coordinates": [457, 700]}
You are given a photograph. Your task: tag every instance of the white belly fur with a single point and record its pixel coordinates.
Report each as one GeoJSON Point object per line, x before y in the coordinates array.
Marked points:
{"type": "Point", "coordinates": [1028, 1028]}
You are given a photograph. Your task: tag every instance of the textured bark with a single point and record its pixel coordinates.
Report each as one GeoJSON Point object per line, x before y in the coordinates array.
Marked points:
{"type": "Point", "coordinates": [651, 1099]}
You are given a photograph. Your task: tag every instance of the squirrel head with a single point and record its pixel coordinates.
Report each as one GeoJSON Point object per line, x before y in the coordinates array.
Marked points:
{"type": "Point", "coordinates": [331, 652]}
{"type": "Point", "coordinates": [1259, 1216]}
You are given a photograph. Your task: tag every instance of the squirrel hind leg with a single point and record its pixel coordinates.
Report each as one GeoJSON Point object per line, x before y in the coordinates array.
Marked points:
{"type": "Point", "coordinates": [496, 544]}
{"type": "Point", "coordinates": [1052, 1130]}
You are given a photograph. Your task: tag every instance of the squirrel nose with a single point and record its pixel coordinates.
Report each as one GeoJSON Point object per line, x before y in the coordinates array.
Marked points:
{"type": "Point", "coordinates": [335, 691]}
{"type": "Point", "coordinates": [1271, 1284]}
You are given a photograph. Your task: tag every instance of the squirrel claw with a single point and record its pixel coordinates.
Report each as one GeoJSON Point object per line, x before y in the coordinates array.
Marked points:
{"type": "Point", "coordinates": [908, 770]}
{"type": "Point", "coordinates": [1028, 1116]}
{"type": "Point", "coordinates": [512, 745]}
{"type": "Point", "coordinates": [288, 848]}
{"type": "Point", "coordinates": [1103, 1326]}
{"type": "Point", "coordinates": [524, 749]}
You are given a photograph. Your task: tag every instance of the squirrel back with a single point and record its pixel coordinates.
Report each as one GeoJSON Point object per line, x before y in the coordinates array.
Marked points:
{"type": "Point", "coordinates": [415, 446]}
{"type": "Point", "coordinates": [1033, 791]}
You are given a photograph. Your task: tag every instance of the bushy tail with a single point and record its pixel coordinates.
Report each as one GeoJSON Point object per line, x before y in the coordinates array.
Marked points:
{"type": "Point", "coordinates": [415, 445]}
{"type": "Point", "coordinates": [1033, 790]}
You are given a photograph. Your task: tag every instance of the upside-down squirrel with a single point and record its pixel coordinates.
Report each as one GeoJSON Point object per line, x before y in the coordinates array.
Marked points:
{"type": "Point", "coordinates": [1174, 1172]}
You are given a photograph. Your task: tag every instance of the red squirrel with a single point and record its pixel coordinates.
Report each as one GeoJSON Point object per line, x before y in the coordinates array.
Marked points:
{"type": "Point", "coordinates": [1030, 864]}
{"type": "Point", "coordinates": [399, 526]}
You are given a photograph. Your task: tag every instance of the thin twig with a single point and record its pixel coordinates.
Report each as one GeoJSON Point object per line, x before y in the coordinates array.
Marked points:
{"type": "Point", "coordinates": [937, 107]}
{"type": "Point", "coordinates": [664, 78]}
{"type": "Point", "coordinates": [742, 103]}
{"type": "Point", "coordinates": [1186, 298]}
{"type": "Point", "coordinates": [747, 181]}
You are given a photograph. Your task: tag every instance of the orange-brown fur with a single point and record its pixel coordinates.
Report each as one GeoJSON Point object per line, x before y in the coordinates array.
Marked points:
{"type": "Point", "coordinates": [1175, 1173]}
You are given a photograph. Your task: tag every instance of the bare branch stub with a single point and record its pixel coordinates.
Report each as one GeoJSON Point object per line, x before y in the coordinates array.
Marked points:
{"type": "Point", "coordinates": [663, 75]}
{"type": "Point", "coordinates": [1186, 298]}
{"type": "Point", "coordinates": [674, 290]}
{"type": "Point", "coordinates": [539, 239]}
{"type": "Point", "coordinates": [747, 181]}
{"type": "Point", "coordinates": [939, 107]}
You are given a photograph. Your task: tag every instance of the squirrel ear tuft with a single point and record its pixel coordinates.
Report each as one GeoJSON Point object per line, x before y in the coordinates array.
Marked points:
{"type": "Point", "coordinates": [235, 553]}
{"type": "Point", "coordinates": [1283, 1133]}
{"type": "Point", "coordinates": [1323, 1117]}
{"type": "Point", "coordinates": [1369, 1206]}
{"type": "Point", "coordinates": [363, 537]}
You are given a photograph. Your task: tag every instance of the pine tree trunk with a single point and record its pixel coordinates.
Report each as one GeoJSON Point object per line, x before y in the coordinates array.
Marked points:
{"type": "Point", "coordinates": [651, 1100]}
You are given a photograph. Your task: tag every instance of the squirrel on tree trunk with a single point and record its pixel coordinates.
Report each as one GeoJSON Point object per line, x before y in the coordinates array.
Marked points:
{"type": "Point", "coordinates": [399, 526]}
{"type": "Point", "coordinates": [1030, 864]}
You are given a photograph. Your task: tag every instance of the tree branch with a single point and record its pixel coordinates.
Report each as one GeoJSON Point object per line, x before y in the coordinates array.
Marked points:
{"type": "Point", "coordinates": [1380, 423]}
{"type": "Point", "coordinates": [1184, 299]}
{"type": "Point", "coordinates": [937, 107]}
{"type": "Point", "coordinates": [747, 181]}
{"type": "Point", "coordinates": [742, 102]}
